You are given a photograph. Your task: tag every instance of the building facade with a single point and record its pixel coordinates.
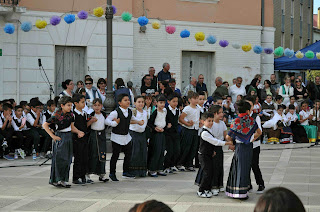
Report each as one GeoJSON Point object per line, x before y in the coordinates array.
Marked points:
{"type": "Point", "coordinates": [316, 26]}
{"type": "Point", "coordinates": [69, 51]}
{"type": "Point", "coordinates": [293, 23]}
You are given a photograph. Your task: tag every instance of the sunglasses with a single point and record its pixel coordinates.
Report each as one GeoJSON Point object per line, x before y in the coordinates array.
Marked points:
{"type": "Point", "coordinates": [298, 81]}
{"type": "Point", "coordinates": [89, 83]}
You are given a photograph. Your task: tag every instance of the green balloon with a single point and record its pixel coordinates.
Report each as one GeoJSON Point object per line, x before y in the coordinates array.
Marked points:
{"type": "Point", "coordinates": [126, 16]}
{"type": "Point", "coordinates": [279, 51]}
{"type": "Point", "coordinates": [309, 54]}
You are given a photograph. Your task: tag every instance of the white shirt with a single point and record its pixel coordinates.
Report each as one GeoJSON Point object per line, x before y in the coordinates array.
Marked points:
{"type": "Point", "coordinates": [44, 118]}
{"type": "Point", "coordinates": [99, 125]}
{"type": "Point", "coordinates": [292, 117]}
{"type": "Point", "coordinates": [14, 125]}
{"type": "Point", "coordinates": [257, 143]}
{"type": "Point", "coordinates": [174, 111]}
{"type": "Point", "coordinates": [212, 140]}
{"type": "Point", "coordinates": [160, 120]}
{"type": "Point", "coordinates": [234, 91]}
{"type": "Point", "coordinates": [267, 112]}
{"type": "Point", "coordinates": [90, 93]}
{"type": "Point", "coordinates": [103, 96]}
{"type": "Point", "coordinates": [140, 116]}
{"type": "Point", "coordinates": [315, 113]}
{"type": "Point", "coordinates": [288, 92]}
{"type": "Point", "coordinates": [224, 102]}
{"type": "Point", "coordinates": [193, 114]}
{"type": "Point", "coordinates": [30, 119]}
{"type": "Point", "coordinates": [218, 130]}
{"type": "Point", "coordinates": [119, 139]}
{"type": "Point", "coordinates": [295, 104]}
{"type": "Point", "coordinates": [66, 94]}
{"type": "Point", "coordinates": [303, 115]}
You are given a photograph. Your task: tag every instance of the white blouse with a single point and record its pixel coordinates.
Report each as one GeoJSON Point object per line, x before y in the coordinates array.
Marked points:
{"type": "Point", "coordinates": [140, 116]}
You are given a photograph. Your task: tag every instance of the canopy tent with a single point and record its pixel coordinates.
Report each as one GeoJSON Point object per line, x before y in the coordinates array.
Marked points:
{"type": "Point", "coordinates": [293, 63]}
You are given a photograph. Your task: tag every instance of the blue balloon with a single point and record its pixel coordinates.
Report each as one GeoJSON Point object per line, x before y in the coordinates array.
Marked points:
{"type": "Point", "coordinates": [142, 20]}
{"type": "Point", "coordinates": [9, 28]}
{"type": "Point", "coordinates": [288, 52]}
{"type": "Point", "coordinates": [185, 33]}
{"type": "Point", "coordinates": [257, 49]}
{"type": "Point", "coordinates": [211, 39]}
{"type": "Point", "coordinates": [26, 26]}
{"type": "Point", "coordinates": [69, 18]}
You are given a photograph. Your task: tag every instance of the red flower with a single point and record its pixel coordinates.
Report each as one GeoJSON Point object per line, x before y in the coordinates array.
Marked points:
{"type": "Point", "coordinates": [237, 121]}
{"type": "Point", "coordinates": [239, 127]}
{"type": "Point", "coordinates": [245, 130]}
{"type": "Point", "coordinates": [251, 123]}
{"type": "Point", "coordinates": [231, 126]}
{"type": "Point", "coordinates": [244, 124]}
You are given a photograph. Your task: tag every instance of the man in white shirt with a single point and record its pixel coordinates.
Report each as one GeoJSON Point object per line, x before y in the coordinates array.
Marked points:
{"type": "Point", "coordinates": [237, 89]}
{"type": "Point", "coordinates": [190, 87]}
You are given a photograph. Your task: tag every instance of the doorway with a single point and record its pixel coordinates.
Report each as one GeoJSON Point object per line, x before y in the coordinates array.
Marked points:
{"type": "Point", "coordinates": [70, 63]}
{"type": "Point", "coordinates": [195, 63]}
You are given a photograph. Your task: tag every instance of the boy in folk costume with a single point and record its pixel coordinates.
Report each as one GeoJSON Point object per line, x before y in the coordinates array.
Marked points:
{"type": "Point", "coordinates": [172, 135]}
{"type": "Point", "coordinates": [305, 117]}
{"type": "Point", "coordinates": [138, 164]}
{"type": "Point", "coordinates": [200, 105]}
{"type": "Point", "coordinates": [120, 120]}
{"type": "Point", "coordinates": [208, 143]}
{"type": "Point", "coordinates": [157, 145]}
{"type": "Point", "coordinates": [299, 133]}
{"type": "Point", "coordinates": [97, 143]}
{"type": "Point", "coordinates": [62, 145]}
{"type": "Point", "coordinates": [189, 119]}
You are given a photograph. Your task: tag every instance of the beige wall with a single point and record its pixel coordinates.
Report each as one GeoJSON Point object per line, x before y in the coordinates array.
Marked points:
{"type": "Point", "coordinates": [244, 12]}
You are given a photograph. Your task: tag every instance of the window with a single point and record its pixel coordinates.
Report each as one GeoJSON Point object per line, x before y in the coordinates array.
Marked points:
{"type": "Point", "coordinates": [301, 12]}
{"type": "Point", "coordinates": [292, 42]}
{"type": "Point", "coordinates": [283, 6]}
{"type": "Point", "coordinates": [292, 8]}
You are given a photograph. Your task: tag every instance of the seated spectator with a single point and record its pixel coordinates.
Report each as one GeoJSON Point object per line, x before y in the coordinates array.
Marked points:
{"type": "Point", "coordinates": [221, 90]}
{"type": "Point", "coordinates": [133, 90]}
{"type": "Point", "coordinates": [190, 87]}
{"type": "Point", "coordinates": [148, 88]}
{"type": "Point", "coordinates": [279, 199]}
{"type": "Point", "coordinates": [267, 109]}
{"type": "Point", "coordinates": [226, 84]}
{"type": "Point", "coordinates": [121, 88]}
{"type": "Point", "coordinates": [80, 84]}
{"type": "Point", "coordinates": [151, 74]}
{"type": "Point", "coordinates": [315, 112]}
{"type": "Point", "coordinates": [172, 85]}
{"type": "Point", "coordinates": [102, 89]}
{"type": "Point", "coordinates": [6, 132]}
{"type": "Point", "coordinates": [267, 90]}
{"type": "Point", "coordinates": [162, 86]}
{"type": "Point", "coordinates": [300, 92]}
{"type": "Point", "coordinates": [256, 107]}
{"type": "Point", "coordinates": [91, 92]}
{"type": "Point", "coordinates": [286, 90]}
{"type": "Point", "coordinates": [305, 117]}
{"type": "Point", "coordinates": [299, 134]}
{"type": "Point", "coordinates": [228, 109]}
{"type": "Point", "coordinates": [278, 101]}
{"type": "Point", "coordinates": [292, 102]}
{"type": "Point", "coordinates": [239, 98]}
{"type": "Point", "coordinates": [201, 86]}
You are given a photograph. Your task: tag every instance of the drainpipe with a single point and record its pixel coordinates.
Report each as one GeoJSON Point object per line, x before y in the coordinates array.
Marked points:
{"type": "Point", "coordinates": [262, 13]}
{"type": "Point", "coordinates": [18, 64]}
{"type": "Point", "coordinates": [319, 18]}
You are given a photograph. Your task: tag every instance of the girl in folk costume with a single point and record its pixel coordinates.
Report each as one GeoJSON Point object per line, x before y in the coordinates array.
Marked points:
{"type": "Point", "coordinates": [138, 164]}
{"type": "Point", "coordinates": [267, 109]}
{"type": "Point", "coordinates": [299, 134]}
{"type": "Point", "coordinates": [241, 131]}
{"type": "Point", "coordinates": [62, 146]}
{"type": "Point", "coordinates": [286, 91]}
{"type": "Point", "coordinates": [150, 108]}
{"type": "Point", "coordinates": [315, 112]}
{"type": "Point", "coordinates": [277, 126]}
{"type": "Point", "coordinates": [278, 101]}
{"type": "Point", "coordinates": [256, 107]}
{"type": "Point", "coordinates": [97, 143]}
{"type": "Point", "coordinates": [305, 117]}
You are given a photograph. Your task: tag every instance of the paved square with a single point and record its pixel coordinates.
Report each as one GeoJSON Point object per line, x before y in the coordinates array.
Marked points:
{"type": "Point", "coordinates": [26, 188]}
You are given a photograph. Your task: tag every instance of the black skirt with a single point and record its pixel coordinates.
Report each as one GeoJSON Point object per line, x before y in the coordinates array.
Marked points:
{"type": "Point", "coordinates": [239, 180]}
{"type": "Point", "coordinates": [61, 158]}
{"type": "Point", "coordinates": [156, 150]}
{"type": "Point", "coordinates": [138, 163]}
{"type": "Point", "coordinates": [97, 152]}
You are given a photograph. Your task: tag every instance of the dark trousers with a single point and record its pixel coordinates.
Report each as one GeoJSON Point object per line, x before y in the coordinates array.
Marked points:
{"type": "Point", "coordinates": [116, 149]}
{"type": "Point", "coordinates": [217, 182]}
{"type": "Point", "coordinates": [189, 143]}
{"type": "Point", "coordinates": [36, 132]}
{"type": "Point", "coordinates": [196, 158]}
{"type": "Point", "coordinates": [7, 134]}
{"type": "Point", "coordinates": [207, 167]}
{"type": "Point", "coordinates": [255, 166]}
{"type": "Point", "coordinates": [24, 143]}
{"type": "Point", "coordinates": [81, 157]}
{"type": "Point", "coordinates": [173, 149]}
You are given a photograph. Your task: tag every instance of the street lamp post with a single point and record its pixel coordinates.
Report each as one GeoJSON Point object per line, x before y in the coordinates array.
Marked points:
{"type": "Point", "coordinates": [109, 102]}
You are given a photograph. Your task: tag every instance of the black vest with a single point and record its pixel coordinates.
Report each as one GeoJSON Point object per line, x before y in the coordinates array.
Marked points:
{"type": "Point", "coordinates": [28, 124]}
{"type": "Point", "coordinates": [173, 119]}
{"type": "Point", "coordinates": [80, 122]}
{"type": "Point", "coordinates": [205, 147]}
{"type": "Point", "coordinates": [123, 126]}
{"type": "Point", "coordinates": [48, 115]}
{"type": "Point", "coordinates": [17, 122]}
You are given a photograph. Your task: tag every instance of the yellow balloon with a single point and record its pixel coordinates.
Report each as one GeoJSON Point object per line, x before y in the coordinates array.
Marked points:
{"type": "Point", "coordinates": [199, 36]}
{"type": "Point", "coordinates": [318, 55]}
{"type": "Point", "coordinates": [98, 11]}
{"type": "Point", "coordinates": [247, 47]}
{"type": "Point", "coordinates": [156, 25]}
{"type": "Point", "coordinates": [299, 55]}
{"type": "Point", "coordinates": [41, 24]}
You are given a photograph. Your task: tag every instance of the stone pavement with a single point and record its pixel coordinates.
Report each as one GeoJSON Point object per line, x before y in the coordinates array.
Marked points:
{"type": "Point", "coordinates": [26, 188]}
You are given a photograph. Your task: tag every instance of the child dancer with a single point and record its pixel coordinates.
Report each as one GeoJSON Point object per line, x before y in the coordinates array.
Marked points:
{"type": "Point", "coordinates": [200, 105]}
{"type": "Point", "coordinates": [138, 164]}
{"type": "Point", "coordinates": [219, 130]}
{"type": "Point", "coordinates": [305, 116]}
{"type": "Point", "coordinates": [190, 118]}
{"type": "Point", "coordinates": [157, 145]}
{"type": "Point", "coordinates": [97, 143]}
{"type": "Point", "coordinates": [241, 131]}
{"type": "Point", "coordinates": [292, 102]}
{"type": "Point", "coordinates": [256, 107]}
{"type": "Point", "coordinates": [80, 145]}
{"type": "Point", "coordinates": [120, 120]}
{"type": "Point", "coordinates": [299, 134]}
{"type": "Point", "coordinates": [172, 135]}
{"type": "Point", "coordinates": [21, 130]}
{"type": "Point", "coordinates": [267, 109]}
{"type": "Point", "coordinates": [62, 146]}
{"type": "Point", "coordinates": [206, 151]}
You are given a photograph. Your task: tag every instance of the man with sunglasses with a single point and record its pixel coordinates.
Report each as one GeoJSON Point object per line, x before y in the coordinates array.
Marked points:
{"type": "Point", "coordinates": [91, 92]}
